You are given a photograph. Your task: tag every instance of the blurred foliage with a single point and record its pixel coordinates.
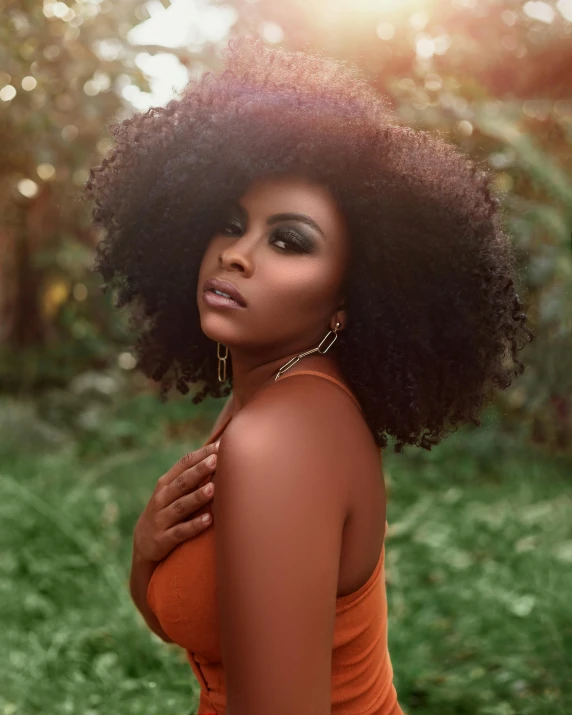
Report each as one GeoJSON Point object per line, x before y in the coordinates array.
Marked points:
{"type": "Point", "coordinates": [53, 321]}
{"type": "Point", "coordinates": [478, 569]}
{"type": "Point", "coordinates": [491, 76]}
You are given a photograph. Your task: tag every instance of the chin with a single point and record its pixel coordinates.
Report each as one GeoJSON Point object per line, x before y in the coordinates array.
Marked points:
{"type": "Point", "coordinates": [215, 327]}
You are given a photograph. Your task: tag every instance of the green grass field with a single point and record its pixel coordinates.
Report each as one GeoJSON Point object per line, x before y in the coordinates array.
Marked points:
{"type": "Point", "coordinates": [479, 568]}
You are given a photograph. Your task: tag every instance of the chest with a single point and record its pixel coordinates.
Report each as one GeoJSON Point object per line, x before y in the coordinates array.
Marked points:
{"type": "Point", "coordinates": [182, 594]}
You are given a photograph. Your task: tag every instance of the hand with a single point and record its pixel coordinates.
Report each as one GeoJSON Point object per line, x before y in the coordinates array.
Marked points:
{"type": "Point", "coordinates": [165, 521]}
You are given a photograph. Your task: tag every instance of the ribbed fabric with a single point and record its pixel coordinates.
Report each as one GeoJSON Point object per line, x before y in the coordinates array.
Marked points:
{"type": "Point", "coordinates": [182, 594]}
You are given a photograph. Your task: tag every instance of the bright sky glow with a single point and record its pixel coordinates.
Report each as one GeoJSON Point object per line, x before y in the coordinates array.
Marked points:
{"type": "Point", "coordinates": [185, 23]}
{"type": "Point", "coordinates": [385, 7]}
{"type": "Point", "coordinates": [192, 23]}
{"type": "Point", "coordinates": [565, 9]}
{"type": "Point", "coordinates": [540, 11]}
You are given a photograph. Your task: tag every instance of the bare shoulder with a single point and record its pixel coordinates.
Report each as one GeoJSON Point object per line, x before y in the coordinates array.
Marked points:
{"type": "Point", "coordinates": [303, 420]}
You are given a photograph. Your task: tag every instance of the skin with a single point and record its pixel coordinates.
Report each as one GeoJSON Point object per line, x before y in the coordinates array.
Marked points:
{"type": "Point", "coordinates": [292, 297]}
{"type": "Point", "coordinates": [296, 527]}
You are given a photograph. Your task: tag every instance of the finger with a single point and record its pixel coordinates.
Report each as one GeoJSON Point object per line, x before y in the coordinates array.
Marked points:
{"type": "Point", "coordinates": [187, 530]}
{"type": "Point", "coordinates": [188, 461]}
{"type": "Point", "coordinates": [187, 481]}
{"type": "Point", "coordinates": [186, 505]}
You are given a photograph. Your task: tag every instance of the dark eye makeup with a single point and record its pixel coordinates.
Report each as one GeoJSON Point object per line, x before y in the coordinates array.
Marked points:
{"type": "Point", "coordinates": [294, 241]}
{"type": "Point", "coordinates": [232, 224]}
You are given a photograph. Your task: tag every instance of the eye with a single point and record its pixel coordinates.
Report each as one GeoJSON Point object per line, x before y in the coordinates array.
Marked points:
{"type": "Point", "coordinates": [231, 227]}
{"type": "Point", "coordinates": [294, 241]}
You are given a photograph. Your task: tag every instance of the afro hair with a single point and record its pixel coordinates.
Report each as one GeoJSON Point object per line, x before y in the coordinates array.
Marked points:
{"type": "Point", "coordinates": [434, 322]}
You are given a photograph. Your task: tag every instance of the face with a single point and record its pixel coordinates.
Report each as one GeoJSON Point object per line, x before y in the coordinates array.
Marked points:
{"type": "Point", "coordinates": [284, 246]}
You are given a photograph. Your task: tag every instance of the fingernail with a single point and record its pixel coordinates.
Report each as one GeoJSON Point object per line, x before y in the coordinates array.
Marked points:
{"type": "Point", "coordinates": [217, 444]}
{"type": "Point", "coordinates": [208, 489]}
{"type": "Point", "coordinates": [211, 461]}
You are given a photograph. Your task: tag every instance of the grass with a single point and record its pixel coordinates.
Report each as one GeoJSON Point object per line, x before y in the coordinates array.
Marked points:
{"type": "Point", "coordinates": [479, 568]}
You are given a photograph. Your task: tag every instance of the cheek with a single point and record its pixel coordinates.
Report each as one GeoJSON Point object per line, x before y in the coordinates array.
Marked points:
{"type": "Point", "coordinates": [301, 286]}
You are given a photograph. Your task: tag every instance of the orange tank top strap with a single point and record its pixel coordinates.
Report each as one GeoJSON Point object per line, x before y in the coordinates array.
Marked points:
{"type": "Point", "coordinates": [327, 377]}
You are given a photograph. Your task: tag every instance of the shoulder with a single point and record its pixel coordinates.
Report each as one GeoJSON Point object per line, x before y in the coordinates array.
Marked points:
{"type": "Point", "coordinates": [302, 420]}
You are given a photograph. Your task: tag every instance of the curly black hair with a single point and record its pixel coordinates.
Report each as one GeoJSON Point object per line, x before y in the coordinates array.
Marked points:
{"type": "Point", "coordinates": [434, 322]}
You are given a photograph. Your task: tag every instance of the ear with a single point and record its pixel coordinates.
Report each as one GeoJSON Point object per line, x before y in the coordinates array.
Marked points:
{"type": "Point", "coordinates": [340, 317]}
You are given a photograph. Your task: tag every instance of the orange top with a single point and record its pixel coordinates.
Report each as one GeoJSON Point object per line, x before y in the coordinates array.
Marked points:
{"type": "Point", "coordinates": [182, 594]}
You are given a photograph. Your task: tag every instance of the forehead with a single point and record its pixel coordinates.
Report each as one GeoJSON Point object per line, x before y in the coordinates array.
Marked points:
{"type": "Point", "coordinates": [268, 196]}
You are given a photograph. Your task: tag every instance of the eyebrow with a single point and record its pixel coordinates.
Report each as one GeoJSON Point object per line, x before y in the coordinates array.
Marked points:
{"type": "Point", "coordinates": [285, 216]}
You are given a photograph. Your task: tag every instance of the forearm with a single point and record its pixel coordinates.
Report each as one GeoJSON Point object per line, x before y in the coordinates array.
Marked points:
{"type": "Point", "coordinates": [141, 572]}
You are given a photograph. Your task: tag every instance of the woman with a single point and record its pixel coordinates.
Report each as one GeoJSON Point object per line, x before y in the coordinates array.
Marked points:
{"type": "Point", "coordinates": [276, 222]}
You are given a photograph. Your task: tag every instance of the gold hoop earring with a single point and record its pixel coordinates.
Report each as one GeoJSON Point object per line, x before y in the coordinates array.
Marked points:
{"type": "Point", "coordinates": [294, 360]}
{"type": "Point", "coordinates": [221, 363]}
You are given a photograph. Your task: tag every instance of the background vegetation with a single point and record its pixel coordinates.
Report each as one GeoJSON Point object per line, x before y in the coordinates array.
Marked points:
{"type": "Point", "coordinates": [480, 544]}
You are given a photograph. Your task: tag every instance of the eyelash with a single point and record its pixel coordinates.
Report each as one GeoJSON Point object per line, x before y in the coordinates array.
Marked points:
{"type": "Point", "coordinates": [294, 245]}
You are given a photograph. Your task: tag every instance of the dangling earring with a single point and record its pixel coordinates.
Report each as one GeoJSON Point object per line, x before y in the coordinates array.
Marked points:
{"type": "Point", "coordinates": [294, 360]}
{"type": "Point", "coordinates": [221, 362]}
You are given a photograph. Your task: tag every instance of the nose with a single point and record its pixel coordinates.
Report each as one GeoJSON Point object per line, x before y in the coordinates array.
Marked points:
{"type": "Point", "coordinates": [237, 256]}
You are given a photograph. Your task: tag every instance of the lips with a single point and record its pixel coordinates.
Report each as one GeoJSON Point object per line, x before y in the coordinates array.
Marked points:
{"type": "Point", "coordinates": [224, 287]}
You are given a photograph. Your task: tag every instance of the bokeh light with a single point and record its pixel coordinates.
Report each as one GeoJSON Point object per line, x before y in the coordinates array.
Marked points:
{"type": "Point", "coordinates": [29, 83]}
{"type": "Point", "coordinates": [27, 188]}
{"type": "Point", "coordinates": [79, 291]}
{"type": "Point", "coordinates": [46, 171]}
{"type": "Point", "coordinates": [7, 93]}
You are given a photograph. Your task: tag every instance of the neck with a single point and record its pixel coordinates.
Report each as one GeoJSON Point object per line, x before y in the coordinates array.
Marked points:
{"type": "Point", "coordinates": [248, 380]}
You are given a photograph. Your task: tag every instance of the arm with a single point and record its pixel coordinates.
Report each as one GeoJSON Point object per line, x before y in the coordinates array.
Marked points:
{"type": "Point", "coordinates": [280, 511]}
